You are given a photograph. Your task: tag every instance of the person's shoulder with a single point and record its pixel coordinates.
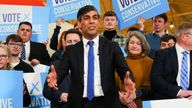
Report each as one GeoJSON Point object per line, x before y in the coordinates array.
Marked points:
{"type": "Point", "coordinates": [26, 66]}
{"type": "Point", "coordinates": [148, 35]}
{"type": "Point", "coordinates": [24, 63]}
{"type": "Point", "coordinates": [38, 45]}
{"type": "Point", "coordinates": [120, 35]}
{"type": "Point", "coordinates": [148, 59]}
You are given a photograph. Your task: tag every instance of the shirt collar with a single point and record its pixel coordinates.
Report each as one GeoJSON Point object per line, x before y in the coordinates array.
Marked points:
{"type": "Point", "coordinates": [95, 40]}
{"type": "Point", "coordinates": [27, 43]}
{"type": "Point", "coordinates": [180, 49]}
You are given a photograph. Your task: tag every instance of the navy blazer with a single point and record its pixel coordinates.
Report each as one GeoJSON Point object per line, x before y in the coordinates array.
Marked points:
{"type": "Point", "coordinates": [38, 51]}
{"type": "Point", "coordinates": [164, 74]}
{"type": "Point", "coordinates": [111, 59]}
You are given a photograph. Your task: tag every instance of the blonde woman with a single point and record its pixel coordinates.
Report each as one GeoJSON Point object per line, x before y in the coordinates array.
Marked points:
{"type": "Point", "coordinates": [140, 64]}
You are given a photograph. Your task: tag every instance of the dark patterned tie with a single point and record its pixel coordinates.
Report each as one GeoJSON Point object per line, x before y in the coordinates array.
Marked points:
{"type": "Point", "coordinates": [23, 53]}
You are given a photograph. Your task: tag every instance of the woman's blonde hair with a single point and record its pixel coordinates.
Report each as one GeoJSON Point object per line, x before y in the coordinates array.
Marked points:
{"type": "Point", "coordinates": [144, 44]}
{"type": "Point", "coordinates": [3, 46]}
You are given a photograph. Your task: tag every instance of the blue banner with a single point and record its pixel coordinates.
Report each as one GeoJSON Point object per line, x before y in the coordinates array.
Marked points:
{"type": "Point", "coordinates": [11, 92]}
{"type": "Point", "coordinates": [67, 9]}
{"type": "Point", "coordinates": [128, 11]}
{"type": "Point", "coordinates": [35, 83]}
{"type": "Point", "coordinates": [11, 16]}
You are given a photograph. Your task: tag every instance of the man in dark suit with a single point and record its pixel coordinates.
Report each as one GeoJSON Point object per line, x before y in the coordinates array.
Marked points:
{"type": "Point", "coordinates": [107, 58]}
{"type": "Point", "coordinates": [35, 52]}
{"type": "Point", "coordinates": [168, 72]}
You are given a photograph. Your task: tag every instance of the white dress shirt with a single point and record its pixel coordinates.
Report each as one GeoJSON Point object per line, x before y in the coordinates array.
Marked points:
{"type": "Point", "coordinates": [97, 77]}
{"type": "Point", "coordinates": [179, 50]}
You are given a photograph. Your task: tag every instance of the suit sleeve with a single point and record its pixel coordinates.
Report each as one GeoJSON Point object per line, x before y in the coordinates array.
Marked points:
{"type": "Point", "coordinates": [26, 96]}
{"type": "Point", "coordinates": [120, 63]}
{"type": "Point", "coordinates": [54, 38]}
{"type": "Point", "coordinates": [45, 56]}
{"type": "Point", "coordinates": [158, 80]}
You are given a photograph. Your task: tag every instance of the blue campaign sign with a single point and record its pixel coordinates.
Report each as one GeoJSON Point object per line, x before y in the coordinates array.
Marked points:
{"type": "Point", "coordinates": [146, 104]}
{"type": "Point", "coordinates": [67, 9]}
{"type": "Point", "coordinates": [11, 16]}
{"type": "Point", "coordinates": [35, 83]}
{"type": "Point", "coordinates": [128, 11]}
{"type": "Point", "coordinates": [11, 92]}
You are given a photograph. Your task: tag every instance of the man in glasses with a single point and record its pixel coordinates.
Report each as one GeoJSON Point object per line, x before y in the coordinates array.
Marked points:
{"type": "Point", "coordinates": [15, 44]}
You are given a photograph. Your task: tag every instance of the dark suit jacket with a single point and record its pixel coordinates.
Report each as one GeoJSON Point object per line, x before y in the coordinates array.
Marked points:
{"type": "Point", "coordinates": [26, 68]}
{"type": "Point", "coordinates": [38, 51]}
{"type": "Point", "coordinates": [54, 95]}
{"type": "Point", "coordinates": [110, 58]}
{"type": "Point", "coordinates": [164, 74]}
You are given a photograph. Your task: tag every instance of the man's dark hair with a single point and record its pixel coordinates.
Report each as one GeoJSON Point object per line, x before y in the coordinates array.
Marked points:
{"type": "Point", "coordinates": [110, 13]}
{"type": "Point", "coordinates": [164, 16]}
{"type": "Point", "coordinates": [72, 31]}
{"type": "Point", "coordinates": [82, 11]}
{"type": "Point", "coordinates": [26, 23]}
{"type": "Point", "coordinates": [166, 38]}
{"type": "Point", "coordinates": [133, 29]}
{"type": "Point", "coordinates": [13, 37]}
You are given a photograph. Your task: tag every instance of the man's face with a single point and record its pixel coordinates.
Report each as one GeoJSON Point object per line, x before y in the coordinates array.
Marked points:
{"type": "Point", "coordinates": [25, 32]}
{"type": "Point", "coordinates": [187, 39]}
{"type": "Point", "coordinates": [71, 39]}
{"type": "Point", "coordinates": [168, 44]}
{"type": "Point", "coordinates": [89, 24]}
{"type": "Point", "coordinates": [14, 47]}
{"type": "Point", "coordinates": [110, 22]}
{"type": "Point", "coordinates": [159, 24]}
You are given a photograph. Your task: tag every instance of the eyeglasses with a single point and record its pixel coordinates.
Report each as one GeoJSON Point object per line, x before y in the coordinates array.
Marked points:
{"type": "Point", "coordinates": [15, 44]}
{"type": "Point", "coordinates": [3, 56]}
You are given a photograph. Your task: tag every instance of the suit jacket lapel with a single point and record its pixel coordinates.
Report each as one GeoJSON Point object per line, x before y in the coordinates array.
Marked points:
{"type": "Point", "coordinates": [102, 56]}
{"type": "Point", "coordinates": [31, 49]}
{"type": "Point", "coordinates": [80, 53]}
{"type": "Point", "coordinates": [174, 59]}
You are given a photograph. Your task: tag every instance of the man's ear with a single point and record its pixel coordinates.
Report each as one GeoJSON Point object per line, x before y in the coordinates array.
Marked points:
{"type": "Point", "coordinates": [78, 24]}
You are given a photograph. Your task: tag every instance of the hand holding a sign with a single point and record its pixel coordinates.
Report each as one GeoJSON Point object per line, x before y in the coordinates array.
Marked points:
{"type": "Point", "coordinates": [141, 22]}
{"type": "Point", "coordinates": [35, 62]}
{"type": "Point", "coordinates": [52, 78]}
{"type": "Point", "coordinates": [59, 21]}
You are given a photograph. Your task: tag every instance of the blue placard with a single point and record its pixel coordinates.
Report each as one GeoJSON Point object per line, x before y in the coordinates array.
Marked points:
{"type": "Point", "coordinates": [11, 92]}
{"type": "Point", "coordinates": [146, 104]}
{"type": "Point", "coordinates": [128, 11]}
{"type": "Point", "coordinates": [12, 15]}
{"type": "Point", "coordinates": [35, 83]}
{"type": "Point", "coordinates": [67, 9]}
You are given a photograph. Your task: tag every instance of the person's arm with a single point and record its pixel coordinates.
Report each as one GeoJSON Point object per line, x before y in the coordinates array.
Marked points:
{"type": "Point", "coordinates": [158, 82]}
{"type": "Point", "coordinates": [51, 94]}
{"type": "Point", "coordinates": [26, 96]}
{"type": "Point", "coordinates": [54, 38]}
{"type": "Point", "coordinates": [141, 22]}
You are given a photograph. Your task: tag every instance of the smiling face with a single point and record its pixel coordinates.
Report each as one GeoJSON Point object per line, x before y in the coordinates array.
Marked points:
{"type": "Point", "coordinates": [134, 46]}
{"type": "Point", "coordinates": [89, 24]}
